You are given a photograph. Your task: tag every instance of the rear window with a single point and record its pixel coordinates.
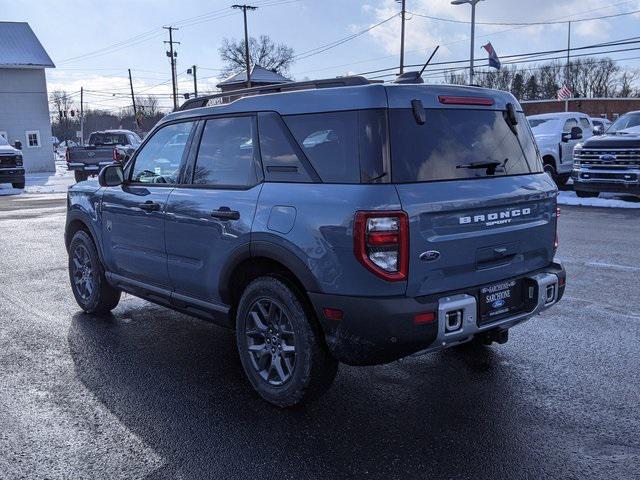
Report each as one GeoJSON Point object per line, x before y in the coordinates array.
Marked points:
{"type": "Point", "coordinates": [459, 144]}
{"type": "Point", "coordinates": [99, 139]}
{"type": "Point", "coordinates": [343, 147]}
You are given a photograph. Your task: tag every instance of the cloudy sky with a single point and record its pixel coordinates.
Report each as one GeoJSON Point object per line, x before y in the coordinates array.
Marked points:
{"type": "Point", "coordinates": [93, 43]}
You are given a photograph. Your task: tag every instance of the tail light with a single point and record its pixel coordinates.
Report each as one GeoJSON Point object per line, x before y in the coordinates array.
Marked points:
{"type": "Point", "coordinates": [556, 242]}
{"type": "Point", "coordinates": [381, 241]}
{"type": "Point", "coordinates": [115, 155]}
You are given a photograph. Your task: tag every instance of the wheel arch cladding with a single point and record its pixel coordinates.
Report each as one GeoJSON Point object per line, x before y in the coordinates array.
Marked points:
{"type": "Point", "coordinates": [76, 221]}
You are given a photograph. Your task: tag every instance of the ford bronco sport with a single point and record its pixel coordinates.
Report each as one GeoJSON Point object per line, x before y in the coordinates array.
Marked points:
{"type": "Point", "coordinates": [355, 223]}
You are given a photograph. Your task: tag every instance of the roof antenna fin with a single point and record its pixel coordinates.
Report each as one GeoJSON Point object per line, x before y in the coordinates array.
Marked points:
{"type": "Point", "coordinates": [415, 77]}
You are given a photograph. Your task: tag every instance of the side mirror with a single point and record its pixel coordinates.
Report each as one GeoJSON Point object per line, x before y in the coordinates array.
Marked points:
{"type": "Point", "coordinates": [576, 133]}
{"type": "Point", "coordinates": [598, 130]}
{"type": "Point", "coordinates": [17, 145]}
{"type": "Point", "coordinates": [566, 137]}
{"type": "Point", "coordinates": [111, 176]}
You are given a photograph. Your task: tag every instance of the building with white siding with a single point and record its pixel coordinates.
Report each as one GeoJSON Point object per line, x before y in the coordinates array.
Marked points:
{"type": "Point", "coordinates": [24, 103]}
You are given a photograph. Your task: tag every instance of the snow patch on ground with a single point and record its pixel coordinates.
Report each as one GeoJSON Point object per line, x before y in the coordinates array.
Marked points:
{"type": "Point", "coordinates": [57, 182]}
{"type": "Point", "coordinates": [606, 200]}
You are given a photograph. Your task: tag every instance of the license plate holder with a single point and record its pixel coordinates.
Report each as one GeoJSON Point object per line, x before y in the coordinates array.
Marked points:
{"type": "Point", "coordinates": [501, 299]}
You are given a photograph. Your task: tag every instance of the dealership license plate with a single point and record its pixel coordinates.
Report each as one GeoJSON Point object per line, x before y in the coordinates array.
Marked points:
{"type": "Point", "coordinates": [500, 299]}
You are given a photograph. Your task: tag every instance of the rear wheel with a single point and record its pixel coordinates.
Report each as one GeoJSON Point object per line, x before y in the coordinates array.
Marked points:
{"type": "Point", "coordinates": [18, 185]}
{"type": "Point", "coordinates": [88, 282]}
{"type": "Point", "coordinates": [80, 176]}
{"type": "Point", "coordinates": [584, 194]}
{"type": "Point", "coordinates": [281, 348]}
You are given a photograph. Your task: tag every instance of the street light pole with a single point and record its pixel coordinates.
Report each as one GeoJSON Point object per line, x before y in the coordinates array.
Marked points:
{"type": "Point", "coordinates": [473, 32]}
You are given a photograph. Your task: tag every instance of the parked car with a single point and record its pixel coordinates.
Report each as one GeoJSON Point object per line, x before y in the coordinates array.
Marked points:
{"type": "Point", "coordinates": [356, 224]}
{"type": "Point", "coordinates": [600, 125]}
{"type": "Point", "coordinates": [103, 149]}
{"type": "Point", "coordinates": [11, 166]}
{"type": "Point", "coordinates": [556, 134]}
{"type": "Point", "coordinates": [611, 162]}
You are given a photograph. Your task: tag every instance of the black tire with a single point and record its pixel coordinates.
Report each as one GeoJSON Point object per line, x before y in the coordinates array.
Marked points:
{"type": "Point", "coordinates": [585, 194]}
{"type": "Point", "coordinates": [80, 176]}
{"type": "Point", "coordinates": [86, 274]}
{"type": "Point", "coordinates": [561, 180]}
{"type": "Point", "coordinates": [18, 185]}
{"type": "Point", "coordinates": [304, 374]}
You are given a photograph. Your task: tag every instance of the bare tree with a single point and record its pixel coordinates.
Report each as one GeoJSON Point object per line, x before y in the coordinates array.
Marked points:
{"type": "Point", "coordinates": [263, 52]}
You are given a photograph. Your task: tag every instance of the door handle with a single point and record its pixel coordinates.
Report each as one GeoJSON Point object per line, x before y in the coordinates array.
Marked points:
{"type": "Point", "coordinates": [149, 206]}
{"type": "Point", "coordinates": [225, 213]}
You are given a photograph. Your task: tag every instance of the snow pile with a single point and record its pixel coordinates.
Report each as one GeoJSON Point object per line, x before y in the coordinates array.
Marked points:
{"type": "Point", "coordinates": [57, 182]}
{"type": "Point", "coordinates": [606, 200]}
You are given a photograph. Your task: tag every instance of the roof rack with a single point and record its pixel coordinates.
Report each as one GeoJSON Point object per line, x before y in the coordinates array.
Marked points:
{"type": "Point", "coordinates": [228, 97]}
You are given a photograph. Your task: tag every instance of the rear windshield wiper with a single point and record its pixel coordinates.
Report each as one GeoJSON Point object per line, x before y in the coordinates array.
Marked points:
{"type": "Point", "coordinates": [478, 165]}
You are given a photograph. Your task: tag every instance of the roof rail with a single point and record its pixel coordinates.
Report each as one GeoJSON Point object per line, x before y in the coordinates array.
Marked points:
{"type": "Point", "coordinates": [228, 97]}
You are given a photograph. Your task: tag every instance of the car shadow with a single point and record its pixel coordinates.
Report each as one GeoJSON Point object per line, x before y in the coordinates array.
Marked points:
{"type": "Point", "coordinates": [178, 385]}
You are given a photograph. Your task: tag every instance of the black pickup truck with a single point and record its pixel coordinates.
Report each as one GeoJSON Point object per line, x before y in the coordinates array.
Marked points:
{"type": "Point", "coordinates": [103, 148]}
{"type": "Point", "coordinates": [609, 162]}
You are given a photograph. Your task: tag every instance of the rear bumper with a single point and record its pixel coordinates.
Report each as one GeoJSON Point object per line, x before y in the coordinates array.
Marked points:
{"type": "Point", "coordinates": [87, 167]}
{"type": "Point", "coordinates": [11, 174]}
{"type": "Point", "coordinates": [375, 330]}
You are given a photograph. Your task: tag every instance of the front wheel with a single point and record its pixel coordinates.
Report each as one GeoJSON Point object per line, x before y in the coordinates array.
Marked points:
{"type": "Point", "coordinates": [281, 348]}
{"type": "Point", "coordinates": [584, 194]}
{"type": "Point", "coordinates": [88, 282]}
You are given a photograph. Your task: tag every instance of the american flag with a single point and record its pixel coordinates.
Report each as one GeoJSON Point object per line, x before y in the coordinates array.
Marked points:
{"type": "Point", "coordinates": [564, 93]}
{"type": "Point", "coordinates": [494, 60]}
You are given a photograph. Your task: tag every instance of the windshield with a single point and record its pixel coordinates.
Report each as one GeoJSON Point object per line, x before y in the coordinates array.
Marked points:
{"type": "Point", "coordinates": [460, 144]}
{"type": "Point", "coordinates": [3, 141]}
{"type": "Point", "coordinates": [108, 139]}
{"type": "Point", "coordinates": [543, 125]}
{"type": "Point", "coordinates": [625, 121]}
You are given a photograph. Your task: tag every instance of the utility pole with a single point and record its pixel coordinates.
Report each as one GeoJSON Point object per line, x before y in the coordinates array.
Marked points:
{"type": "Point", "coordinates": [246, 39]}
{"type": "Point", "coordinates": [82, 116]}
{"type": "Point", "coordinates": [172, 55]}
{"type": "Point", "coordinates": [568, 71]}
{"type": "Point", "coordinates": [195, 81]}
{"type": "Point", "coordinates": [133, 100]}
{"type": "Point", "coordinates": [403, 14]}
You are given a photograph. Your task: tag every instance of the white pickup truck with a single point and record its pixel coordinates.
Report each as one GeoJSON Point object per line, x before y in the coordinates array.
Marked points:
{"type": "Point", "coordinates": [556, 135]}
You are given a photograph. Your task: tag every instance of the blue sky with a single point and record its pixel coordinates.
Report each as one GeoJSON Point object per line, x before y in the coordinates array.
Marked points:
{"type": "Point", "coordinates": [109, 37]}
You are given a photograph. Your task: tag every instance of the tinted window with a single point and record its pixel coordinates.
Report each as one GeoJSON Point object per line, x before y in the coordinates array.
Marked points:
{"type": "Point", "coordinates": [279, 158]}
{"type": "Point", "coordinates": [107, 139]}
{"type": "Point", "coordinates": [569, 124]}
{"type": "Point", "coordinates": [459, 144]}
{"type": "Point", "coordinates": [343, 147]}
{"type": "Point", "coordinates": [584, 123]}
{"type": "Point", "coordinates": [226, 154]}
{"type": "Point", "coordinates": [160, 159]}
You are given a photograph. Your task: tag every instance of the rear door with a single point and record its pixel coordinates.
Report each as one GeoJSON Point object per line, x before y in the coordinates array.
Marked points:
{"type": "Point", "coordinates": [480, 210]}
{"type": "Point", "coordinates": [209, 220]}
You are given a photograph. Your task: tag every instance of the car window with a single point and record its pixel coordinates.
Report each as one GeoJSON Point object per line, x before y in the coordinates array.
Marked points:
{"type": "Point", "coordinates": [226, 153]}
{"type": "Point", "coordinates": [343, 147]}
{"type": "Point", "coordinates": [160, 159]}
{"type": "Point", "coordinates": [279, 158]}
{"type": "Point", "coordinates": [584, 123]}
{"type": "Point", "coordinates": [597, 123]}
{"type": "Point", "coordinates": [569, 124]}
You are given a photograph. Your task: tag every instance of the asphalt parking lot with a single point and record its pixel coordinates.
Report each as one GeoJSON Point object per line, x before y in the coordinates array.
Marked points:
{"type": "Point", "coordinates": [149, 393]}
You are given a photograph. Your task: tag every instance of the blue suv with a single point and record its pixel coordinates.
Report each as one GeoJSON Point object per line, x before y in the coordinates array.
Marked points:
{"type": "Point", "coordinates": [326, 223]}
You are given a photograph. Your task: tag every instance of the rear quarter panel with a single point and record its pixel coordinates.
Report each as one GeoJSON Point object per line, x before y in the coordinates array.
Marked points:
{"type": "Point", "coordinates": [322, 232]}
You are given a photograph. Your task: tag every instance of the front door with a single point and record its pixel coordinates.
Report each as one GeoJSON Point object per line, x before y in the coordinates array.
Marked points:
{"type": "Point", "coordinates": [134, 213]}
{"type": "Point", "coordinates": [567, 147]}
{"type": "Point", "coordinates": [209, 220]}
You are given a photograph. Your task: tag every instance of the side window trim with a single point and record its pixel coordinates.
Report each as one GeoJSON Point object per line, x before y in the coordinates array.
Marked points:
{"type": "Point", "coordinates": [304, 161]}
{"type": "Point", "coordinates": [130, 165]}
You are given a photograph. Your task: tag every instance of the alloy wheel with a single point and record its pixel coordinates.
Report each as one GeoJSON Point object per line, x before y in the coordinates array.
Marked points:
{"type": "Point", "coordinates": [270, 341]}
{"type": "Point", "coordinates": [84, 278]}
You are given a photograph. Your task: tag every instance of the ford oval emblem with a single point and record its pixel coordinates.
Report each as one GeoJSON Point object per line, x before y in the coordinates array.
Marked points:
{"type": "Point", "coordinates": [608, 157]}
{"type": "Point", "coordinates": [498, 304]}
{"type": "Point", "coordinates": [430, 256]}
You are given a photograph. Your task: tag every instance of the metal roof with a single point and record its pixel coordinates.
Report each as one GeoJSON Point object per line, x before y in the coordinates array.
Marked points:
{"type": "Point", "coordinates": [20, 48]}
{"type": "Point", "coordinates": [258, 75]}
